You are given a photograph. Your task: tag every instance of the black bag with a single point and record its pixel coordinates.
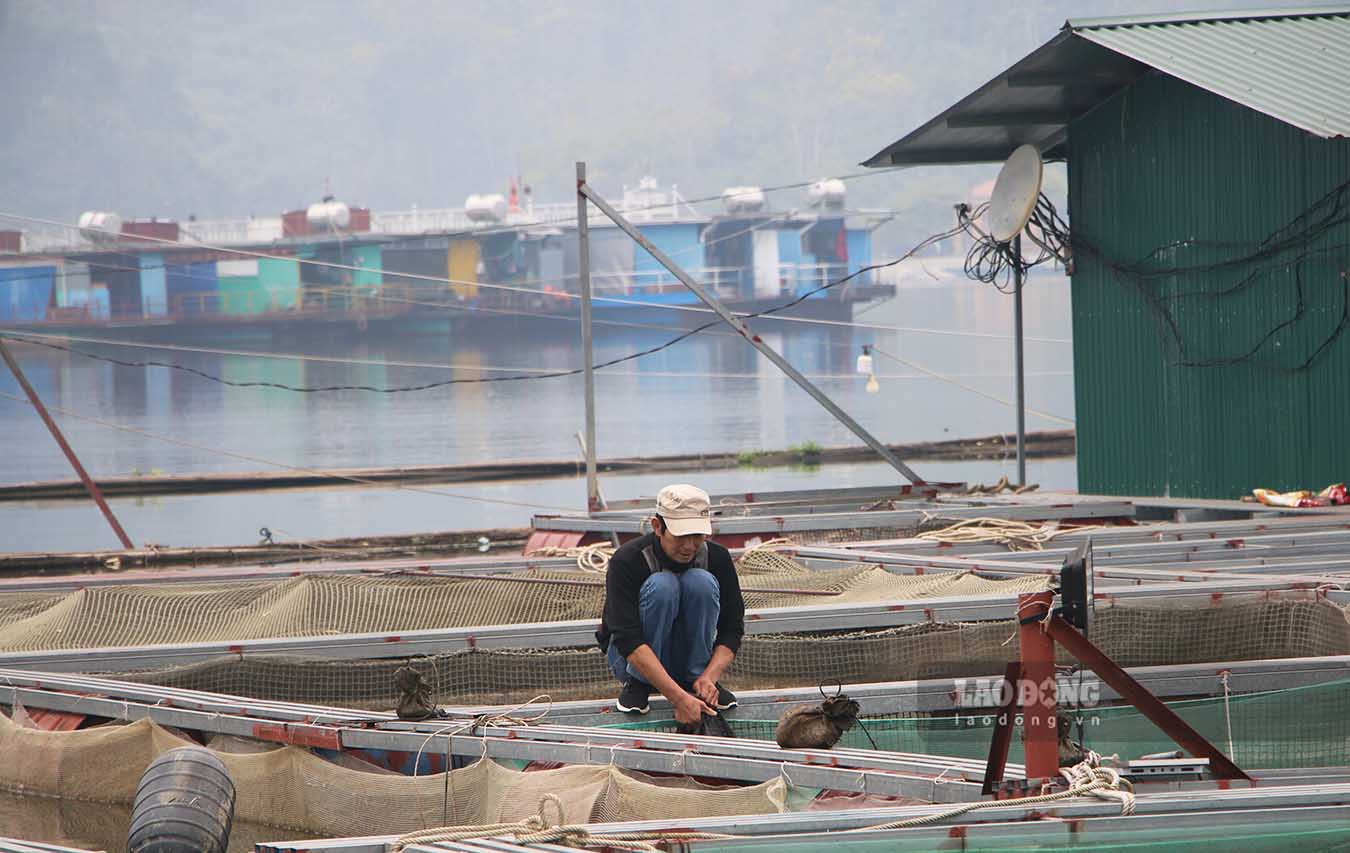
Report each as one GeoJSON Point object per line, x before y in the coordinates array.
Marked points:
{"type": "Point", "coordinates": [415, 695]}
{"type": "Point", "coordinates": [711, 725]}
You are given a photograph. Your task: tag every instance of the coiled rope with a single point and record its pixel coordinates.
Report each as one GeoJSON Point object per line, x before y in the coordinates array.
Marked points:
{"type": "Point", "coordinates": [594, 559]}
{"type": "Point", "coordinates": [1001, 486]}
{"type": "Point", "coordinates": [1086, 778]}
{"type": "Point", "coordinates": [1014, 535]}
{"type": "Point", "coordinates": [590, 558]}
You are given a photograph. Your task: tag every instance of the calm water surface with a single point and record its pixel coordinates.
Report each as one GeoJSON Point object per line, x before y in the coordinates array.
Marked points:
{"type": "Point", "coordinates": [712, 392]}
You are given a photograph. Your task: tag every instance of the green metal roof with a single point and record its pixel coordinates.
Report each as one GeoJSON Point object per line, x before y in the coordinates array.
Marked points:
{"type": "Point", "coordinates": [1292, 64]}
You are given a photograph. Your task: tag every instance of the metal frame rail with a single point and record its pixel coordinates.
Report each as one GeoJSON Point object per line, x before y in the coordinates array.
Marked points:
{"type": "Point", "coordinates": [888, 774]}
{"type": "Point", "coordinates": [1266, 544]}
{"type": "Point", "coordinates": [1040, 563]}
{"type": "Point", "coordinates": [940, 695]}
{"type": "Point", "coordinates": [1152, 810]}
{"type": "Point", "coordinates": [1197, 680]}
{"type": "Point", "coordinates": [580, 633]}
{"type": "Point", "coordinates": [1223, 536]}
{"type": "Point", "coordinates": [789, 522]}
{"type": "Point", "coordinates": [1166, 531]}
{"type": "Point", "coordinates": [18, 845]}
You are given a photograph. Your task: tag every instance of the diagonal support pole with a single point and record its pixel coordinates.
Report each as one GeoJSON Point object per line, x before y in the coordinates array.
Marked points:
{"type": "Point", "coordinates": [1137, 695]}
{"type": "Point", "coordinates": [89, 484]}
{"type": "Point", "coordinates": [732, 320]}
{"type": "Point", "coordinates": [1003, 728]}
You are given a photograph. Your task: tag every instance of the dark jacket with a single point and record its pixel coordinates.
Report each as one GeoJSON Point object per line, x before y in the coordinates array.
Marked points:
{"type": "Point", "coordinates": [621, 623]}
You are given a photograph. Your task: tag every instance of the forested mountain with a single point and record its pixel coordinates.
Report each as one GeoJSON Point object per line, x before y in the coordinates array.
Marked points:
{"type": "Point", "coordinates": [227, 109]}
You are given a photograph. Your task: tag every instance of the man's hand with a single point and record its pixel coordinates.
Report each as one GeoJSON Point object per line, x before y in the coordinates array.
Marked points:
{"type": "Point", "coordinates": [689, 709]}
{"type": "Point", "coordinates": [705, 688]}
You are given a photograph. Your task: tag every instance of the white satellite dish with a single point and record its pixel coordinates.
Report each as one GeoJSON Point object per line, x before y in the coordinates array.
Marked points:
{"type": "Point", "coordinates": [1015, 193]}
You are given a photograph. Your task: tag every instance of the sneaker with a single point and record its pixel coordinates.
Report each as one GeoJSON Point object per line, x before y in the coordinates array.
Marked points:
{"type": "Point", "coordinates": [633, 698]}
{"type": "Point", "coordinates": [725, 698]}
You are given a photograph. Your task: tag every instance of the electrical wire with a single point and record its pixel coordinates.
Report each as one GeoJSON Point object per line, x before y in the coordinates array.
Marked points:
{"type": "Point", "coordinates": [1152, 281]}
{"type": "Point", "coordinates": [261, 461]}
{"type": "Point", "coordinates": [951, 381]}
{"type": "Point", "coordinates": [25, 335]}
{"type": "Point", "coordinates": [999, 262]}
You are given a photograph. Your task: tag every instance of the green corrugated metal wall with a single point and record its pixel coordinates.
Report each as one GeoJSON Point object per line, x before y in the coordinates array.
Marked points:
{"type": "Point", "coordinates": [1163, 162]}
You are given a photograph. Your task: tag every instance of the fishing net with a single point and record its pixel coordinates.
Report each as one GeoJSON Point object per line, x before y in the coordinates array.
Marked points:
{"type": "Point", "coordinates": [102, 826]}
{"type": "Point", "coordinates": [293, 789]}
{"type": "Point", "coordinates": [318, 604]}
{"type": "Point", "coordinates": [1254, 627]}
{"type": "Point", "coordinates": [1299, 727]}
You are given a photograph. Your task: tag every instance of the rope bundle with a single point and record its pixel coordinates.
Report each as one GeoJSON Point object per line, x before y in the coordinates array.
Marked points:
{"type": "Point", "coordinates": [590, 558]}
{"type": "Point", "coordinates": [1014, 535]}
{"type": "Point", "coordinates": [1001, 486]}
{"type": "Point", "coordinates": [1087, 778]}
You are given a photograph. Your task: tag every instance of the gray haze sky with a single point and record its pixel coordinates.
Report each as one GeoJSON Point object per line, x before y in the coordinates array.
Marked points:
{"type": "Point", "coordinates": [224, 110]}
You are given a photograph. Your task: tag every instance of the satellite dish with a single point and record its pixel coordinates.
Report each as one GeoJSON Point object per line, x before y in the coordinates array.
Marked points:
{"type": "Point", "coordinates": [1015, 193]}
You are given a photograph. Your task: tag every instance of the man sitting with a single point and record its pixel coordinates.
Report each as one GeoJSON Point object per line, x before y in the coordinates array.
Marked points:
{"type": "Point", "coordinates": [674, 615]}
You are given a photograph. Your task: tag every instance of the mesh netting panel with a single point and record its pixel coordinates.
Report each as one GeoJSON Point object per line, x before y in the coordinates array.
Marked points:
{"type": "Point", "coordinates": [1292, 728]}
{"type": "Point", "coordinates": [316, 605]}
{"type": "Point", "coordinates": [1291, 625]}
{"type": "Point", "coordinates": [103, 826]}
{"type": "Point", "coordinates": [293, 789]}
{"type": "Point", "coordinates": [851, 534]}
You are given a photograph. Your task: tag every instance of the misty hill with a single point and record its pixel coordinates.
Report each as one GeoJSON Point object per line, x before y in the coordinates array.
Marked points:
{"type": "Point", "coordinates": [229, 109]}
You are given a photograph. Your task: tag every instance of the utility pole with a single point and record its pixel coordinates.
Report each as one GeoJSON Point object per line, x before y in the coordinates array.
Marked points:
{"type": "Point", "coordinates": [584, 276]}
{"type": "Point", "coordinates": [89, 485]}
{"type": "Point", "coordinates": [1019, 279]}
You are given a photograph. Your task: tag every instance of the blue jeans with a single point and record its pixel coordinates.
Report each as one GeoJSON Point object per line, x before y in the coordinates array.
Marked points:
{"type": "Point", "coordinates": [679, 622]}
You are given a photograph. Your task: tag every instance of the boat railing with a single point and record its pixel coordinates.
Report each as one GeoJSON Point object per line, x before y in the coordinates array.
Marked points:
{"type": "Point", "coordinates": [798, 279]}
{"type": "Point", "coordinates": [216, 232]}
{"type": "Point", "coordinates": [725, 282]}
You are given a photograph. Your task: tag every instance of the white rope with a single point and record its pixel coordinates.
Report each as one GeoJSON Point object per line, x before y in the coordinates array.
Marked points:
{"type": "Point", "coordinates": [1087, 778]}
{"type": "Point", "coordinates": [1227, 717]}
{"type": "Point", "coordinates": [1014, 535]}
{"type": "Point", "coordinates": [593, 559]}
{"type": "Point", "coordinates": [501, 719]}
{"type": "Point", "coordinates": [1084, 780]}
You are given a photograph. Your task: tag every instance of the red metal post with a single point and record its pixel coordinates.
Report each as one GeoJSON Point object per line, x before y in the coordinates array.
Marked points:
{"type": "Point", "coordinates": [1149, 705]}
{"type": "Point", "coordinates": [1036, 688]}
{"type": "Point", "coordinates": [1003, 728]}
{"type": "Point", "coordinates": [89, 484]}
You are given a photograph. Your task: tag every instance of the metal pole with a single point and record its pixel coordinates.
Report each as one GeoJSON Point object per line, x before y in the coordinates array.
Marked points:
{"type": "Point", "coordinates": [1019, 279]}
{"type": "Point", "coordinates": [611, 534]}
{"type": "Point", "coordinates": [584, 275]}
{"type": "Point", "coordinates": [1036, 689]}
{"type": "Point", "coordinates": [89, 485]}
{"type": "Point", "coordinates": [731, 319]}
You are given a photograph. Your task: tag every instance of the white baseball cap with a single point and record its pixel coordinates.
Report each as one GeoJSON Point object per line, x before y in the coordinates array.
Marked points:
{"type": "Point", "coordinates": [685, 509]}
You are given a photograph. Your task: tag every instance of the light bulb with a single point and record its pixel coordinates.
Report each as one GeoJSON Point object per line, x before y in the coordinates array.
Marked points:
{"type": "Point", "coordinates": [872, 385]}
